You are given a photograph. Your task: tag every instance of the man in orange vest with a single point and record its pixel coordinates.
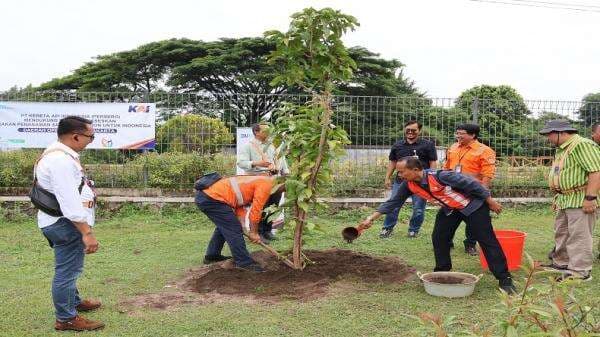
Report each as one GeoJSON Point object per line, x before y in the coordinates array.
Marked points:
{"type": "Point", "coordinates": [462, 199]}
{"type": "Point", "coordinates": [223, 203]}
{"type": "Point", "coordinates": [469, 156]}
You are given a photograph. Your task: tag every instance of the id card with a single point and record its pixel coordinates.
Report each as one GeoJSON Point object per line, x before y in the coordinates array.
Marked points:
{"type": "Point", "coordinates": [458, 168]}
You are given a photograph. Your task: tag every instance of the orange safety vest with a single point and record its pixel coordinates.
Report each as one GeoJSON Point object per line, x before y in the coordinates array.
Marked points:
{"type": "Point", "coordinates": [442, 193]}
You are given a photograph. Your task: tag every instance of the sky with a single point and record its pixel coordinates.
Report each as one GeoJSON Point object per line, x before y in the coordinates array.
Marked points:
{"type": "Point", "coordinates": [447, 46]}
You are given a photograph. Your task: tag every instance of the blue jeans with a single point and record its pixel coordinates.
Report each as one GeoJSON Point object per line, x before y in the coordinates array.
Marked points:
{"type": "Point", "coordinates": [68, 247]}
{"type": "Point", "coordinates": [418, 215]}
{"type": "Point", "coordinates": [228, 229]}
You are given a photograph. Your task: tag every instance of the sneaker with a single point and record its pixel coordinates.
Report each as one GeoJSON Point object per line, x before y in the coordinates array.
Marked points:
{"type": "Point", "coordinates": [507, 286]}
{"type": "Point", "coordinates": [412, 234]}
{"type": "Point", "coordinates": [572, 275]}
{"type": "Point", "coordinates": [471, 251]}
{"type": "Point", "coordinates": [208, 259]}
{"type": "Point", "coordinates": [78, 323]}
{"type": "Point", "coordinates": [253, 267]}
{"type": "Point", "coordinates": [386, 233]}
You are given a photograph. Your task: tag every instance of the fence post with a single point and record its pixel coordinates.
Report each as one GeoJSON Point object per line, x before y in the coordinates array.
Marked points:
{"type": "Point", "coordinates": [475, 109]}
{"type": "Point", "coordinates": [145, 151]}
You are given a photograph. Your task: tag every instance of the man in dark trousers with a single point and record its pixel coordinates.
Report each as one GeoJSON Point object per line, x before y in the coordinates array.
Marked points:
{"type": "Point", "coordinates": [462, 199]}
{"type": "Point", "coordinates": [424, 150]}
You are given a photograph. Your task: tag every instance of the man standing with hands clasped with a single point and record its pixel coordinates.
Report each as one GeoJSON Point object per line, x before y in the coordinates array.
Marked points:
{"type": "Point", "coordinates": [66, 222]}
{"type": "Point", "coordinates": [575, 179]}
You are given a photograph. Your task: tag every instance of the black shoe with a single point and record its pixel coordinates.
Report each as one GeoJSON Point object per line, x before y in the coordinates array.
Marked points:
{"type": "Point", "coordinates": [471, 251]}
{"type": "Point", "coordinates": [507, 286]}
{"type": "Point", "coordinates": [264, 240]}
{"type": "Point", "coordinates": [269, 236]}
{"type": "Point", "coordinates": [208, 259]}
{"type": "Point", "coordinates": [386, 233]}
{"type": "Point", "coordinates": [253, 267]}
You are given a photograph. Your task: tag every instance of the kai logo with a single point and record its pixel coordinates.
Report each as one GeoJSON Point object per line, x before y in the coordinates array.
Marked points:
{"type": "Point", "coordinates": [139, 108]}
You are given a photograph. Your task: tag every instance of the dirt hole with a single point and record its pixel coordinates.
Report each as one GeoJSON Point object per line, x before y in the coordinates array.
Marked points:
{"type": "Point", "coordinates": [222, 282]}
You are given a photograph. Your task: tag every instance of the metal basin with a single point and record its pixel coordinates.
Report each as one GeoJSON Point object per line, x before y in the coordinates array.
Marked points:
{"type": "Point", "coordinates": [449, 283]}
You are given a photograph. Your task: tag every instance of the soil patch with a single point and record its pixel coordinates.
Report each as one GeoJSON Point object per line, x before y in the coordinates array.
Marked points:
{"type": "Point", "coordinates": [333, 270]}
{"type": "Point", "coordinates": [448, 280]}
{"type": "Point", "coordinates": [282, 282]}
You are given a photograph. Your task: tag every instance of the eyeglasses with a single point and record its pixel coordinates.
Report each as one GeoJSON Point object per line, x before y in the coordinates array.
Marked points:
{"type": "Point", "coordinates": [90, 137]}
{"type": "Point", "coordinates": [411, 130]}
{"type": "Point", "coordinates": [459, 133]}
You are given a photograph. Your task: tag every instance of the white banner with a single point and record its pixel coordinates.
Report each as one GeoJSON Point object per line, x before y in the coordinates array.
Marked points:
{"type": "Point", "coordinates": [243, 136]}
{"type": "Point", "coordinates": [116, 125]}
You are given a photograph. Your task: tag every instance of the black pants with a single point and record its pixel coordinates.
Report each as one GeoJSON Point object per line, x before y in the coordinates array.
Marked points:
{"type": "Point", "coordinates": [469, 240]}
{"type": "Point", "coordinates": [265, 226]}
{"type": "Point", "coordinates": [480, 223]}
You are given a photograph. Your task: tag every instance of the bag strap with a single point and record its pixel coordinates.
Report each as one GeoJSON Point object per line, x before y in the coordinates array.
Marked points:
{"type": "Point", "coordinates": [554, 178]}
{"type": "Point", "coordinates": [65, 152]}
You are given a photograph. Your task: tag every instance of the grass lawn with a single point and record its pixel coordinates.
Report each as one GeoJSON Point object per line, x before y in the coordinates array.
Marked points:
{"type": "Point", "coordinates": [144, 249]}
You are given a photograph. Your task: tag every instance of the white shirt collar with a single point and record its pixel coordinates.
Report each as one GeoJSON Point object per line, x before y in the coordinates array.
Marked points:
{"type": "Point", "coordinates": [59, 145]}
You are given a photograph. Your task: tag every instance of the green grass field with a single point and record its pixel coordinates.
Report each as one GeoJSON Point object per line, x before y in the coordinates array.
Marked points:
{"type": "Point", "coordinates": [144, 249]}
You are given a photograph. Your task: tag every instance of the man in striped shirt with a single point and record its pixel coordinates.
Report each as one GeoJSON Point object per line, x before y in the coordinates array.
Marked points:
{"type": "Point", "coordinates": [575, 180]}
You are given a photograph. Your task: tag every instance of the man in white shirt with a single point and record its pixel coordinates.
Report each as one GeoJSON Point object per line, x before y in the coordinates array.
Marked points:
{"type": "Point", "coordinates": [259, 157]}
{"type": "Point", "coordinates": [59, 172]}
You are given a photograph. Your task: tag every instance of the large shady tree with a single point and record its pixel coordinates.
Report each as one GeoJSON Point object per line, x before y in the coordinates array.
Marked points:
{"type": "Point", "coordinates": [313, 57]}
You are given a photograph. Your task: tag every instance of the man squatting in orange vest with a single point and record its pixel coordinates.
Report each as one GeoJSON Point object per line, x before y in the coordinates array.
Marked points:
{"type": "Point", "coordinates": [462, 199]}
{"type": "Point", "coordinates": [223, 203]}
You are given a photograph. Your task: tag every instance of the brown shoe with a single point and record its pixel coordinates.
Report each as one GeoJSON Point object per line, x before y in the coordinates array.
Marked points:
{"type": "Point", "coordinates": [79, 323]}
{"type": "Point", "coordinates": [89, 305]}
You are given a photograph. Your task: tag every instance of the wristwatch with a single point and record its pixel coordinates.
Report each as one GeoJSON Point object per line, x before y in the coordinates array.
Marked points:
{"type": "Point", "coordinates": [590, 197]}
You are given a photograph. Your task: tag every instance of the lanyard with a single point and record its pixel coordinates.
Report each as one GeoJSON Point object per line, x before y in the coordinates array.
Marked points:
{"type": "Point", "coordinates": [463, 155]}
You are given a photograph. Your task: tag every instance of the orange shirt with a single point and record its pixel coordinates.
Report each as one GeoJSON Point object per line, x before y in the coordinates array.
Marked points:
{"type": "Point", "coordinates": [476, 159]}
{"type": "Point", "coordinates": [254, 190]}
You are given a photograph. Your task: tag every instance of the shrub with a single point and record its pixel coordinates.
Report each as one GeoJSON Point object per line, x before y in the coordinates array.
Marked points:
{"type": "Point", "coordinates": [16, 167]}
{"type": "Point", "coordinates": [192, 133]}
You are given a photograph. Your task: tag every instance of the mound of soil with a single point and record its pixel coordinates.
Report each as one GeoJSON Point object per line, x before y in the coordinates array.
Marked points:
{"type": "Point", "coordinates": [282, 282]}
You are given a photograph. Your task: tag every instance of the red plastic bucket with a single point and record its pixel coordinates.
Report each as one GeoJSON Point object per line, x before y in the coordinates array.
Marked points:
{"type": "Point", "coordinates": [512, 243]}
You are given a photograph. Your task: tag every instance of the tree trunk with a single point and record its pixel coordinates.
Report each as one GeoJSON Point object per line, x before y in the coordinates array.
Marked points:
{"type": "Point", "coordinates": [322, 100]}
{"type": "Point", "coordinates": [297, 251]}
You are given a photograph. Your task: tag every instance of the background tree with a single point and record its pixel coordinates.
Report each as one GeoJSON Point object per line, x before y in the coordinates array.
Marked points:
{"type": "Point", "coordinates": [313, 58]}
{"type": "Point", "coordinates": [502, 115]}
{"type": "Point", "coordinates": [237, 70]}
{"type": "Point", "coordinates": [142, 69]}
{"type": "Point", "coordinates": [590, 110]}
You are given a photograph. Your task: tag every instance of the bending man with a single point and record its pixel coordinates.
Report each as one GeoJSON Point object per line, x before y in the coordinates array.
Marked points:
{"type": "Point", "coordinates": [462, 199]}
